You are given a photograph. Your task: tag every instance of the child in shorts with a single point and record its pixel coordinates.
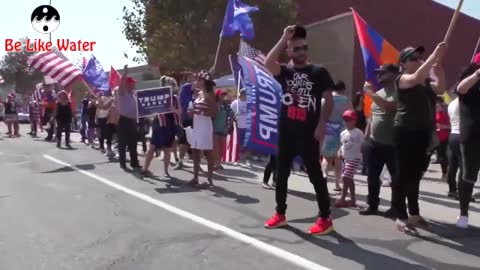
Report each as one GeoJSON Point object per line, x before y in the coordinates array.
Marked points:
{"type": "Point", "coordinates": [351, 155]}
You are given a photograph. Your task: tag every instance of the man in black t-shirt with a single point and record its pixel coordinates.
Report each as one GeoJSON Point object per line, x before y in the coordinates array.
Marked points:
{"type": "Point", "coordinates": [469, 99]}
{"type": "Point", "coordinates": [301, 124]}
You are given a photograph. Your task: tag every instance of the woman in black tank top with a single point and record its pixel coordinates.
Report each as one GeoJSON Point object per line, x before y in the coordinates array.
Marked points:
{"type": "Point", "coordinates": [414, 126]}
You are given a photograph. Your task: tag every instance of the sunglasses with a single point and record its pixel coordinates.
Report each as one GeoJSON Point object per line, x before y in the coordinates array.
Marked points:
{"type": "Point", "coordinates": [414, 59]}
{"type": "Point", "coordinates": [300, 48]}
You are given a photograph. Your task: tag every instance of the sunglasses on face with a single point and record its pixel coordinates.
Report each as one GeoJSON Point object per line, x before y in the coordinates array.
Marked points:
{"type": "Point", "coordinates": [414, 59]}
{"type": "Point", "coordinates": [300, 48]}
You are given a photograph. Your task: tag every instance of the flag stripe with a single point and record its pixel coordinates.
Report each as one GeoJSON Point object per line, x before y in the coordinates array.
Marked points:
{"type": "Point", "coordinates": [52, 65]}
{"type": "Point", "coordinates": [231, 152]}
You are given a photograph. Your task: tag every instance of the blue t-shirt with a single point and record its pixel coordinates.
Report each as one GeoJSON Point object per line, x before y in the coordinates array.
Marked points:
{"type": "Point", "coordinates": [186, 94]}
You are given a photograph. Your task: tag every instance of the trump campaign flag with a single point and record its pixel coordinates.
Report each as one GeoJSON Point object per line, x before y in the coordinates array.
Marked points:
{"type": "Point", "coordinates": [263, 107]}
{"type": "Point", "coordinates": [376, 51]}
{"type": "Point", "coordinates": [237, 19]}
{"type": "Point", "coordinates": [94, 74]}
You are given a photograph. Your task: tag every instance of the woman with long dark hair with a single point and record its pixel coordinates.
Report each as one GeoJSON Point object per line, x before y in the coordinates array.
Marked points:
{"type": "Point", "coordinates": [358, 106]}
{"type": "Point", "coordinates": [204, 109]}
{"type": "Point", "coordinates": [469, 99]}
{"type": "Point", "coordinates": [414, 129]}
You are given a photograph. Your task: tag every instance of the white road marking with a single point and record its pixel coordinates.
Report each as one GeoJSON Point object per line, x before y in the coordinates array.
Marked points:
{"type": "Point", "coordinates": [270, 249]}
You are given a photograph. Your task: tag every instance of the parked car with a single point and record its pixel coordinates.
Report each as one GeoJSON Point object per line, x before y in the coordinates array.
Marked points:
{"type": "Point", "coordinates": [23, 118]}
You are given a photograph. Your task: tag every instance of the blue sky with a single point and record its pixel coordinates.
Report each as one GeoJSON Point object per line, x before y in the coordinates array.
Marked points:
{"type": "Point", "coordinates": [100, 21]}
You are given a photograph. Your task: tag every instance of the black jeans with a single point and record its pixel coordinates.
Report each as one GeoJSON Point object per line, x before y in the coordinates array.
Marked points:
{"type": "Point", "coordinates": [83, 127]}
{"type": "Point", "coordinates": [291, 145]}
{"type": "Point", "coordinates": [109, 130]}
{"type": "Point", "coordinates": [454, 162]}
{"type": "Point", "coordinates": [102, 125]}
{"type": "Point", "coordinates": [61, 127]}
{"type": "Point", "coordinates": [442, 155]}
{"type": "Point", "coordinates": [127, 137]}
{"type": "Point", "coordinates": [378, 155]}
{"type": "Point", "coordinates": [471, 167]}
{"type": "Point", "coordinates": [269, 169]}
{"type": "Point", "coordinates": [410, 156]}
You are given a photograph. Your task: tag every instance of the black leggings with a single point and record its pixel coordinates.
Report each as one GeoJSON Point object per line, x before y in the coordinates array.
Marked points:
{"type": "Point", "coordinates": [454, 162]}
{"type": "Point", "coordinates": [308, 149]}
{"type": "Point", "coordinates": [63, 127]}
{"type": "Point", "coordinates": [442, 156]}
{"type": "Point", "coordinates": [471, 167]}
{"type": "Point", "coordinates": [269, 169]}
{"type": "Point", "coordinates": [411, 156]}
{"type": "Point", "coordinates": [102, 125]}
{"type": "Point", "coordinates": [110, 130]}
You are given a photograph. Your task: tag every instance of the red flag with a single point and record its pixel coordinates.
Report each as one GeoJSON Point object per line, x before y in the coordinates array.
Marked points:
{"type": "Point", "coordinates": [114, 79]}
{"type": "Point", "coordinates": [231, 152]}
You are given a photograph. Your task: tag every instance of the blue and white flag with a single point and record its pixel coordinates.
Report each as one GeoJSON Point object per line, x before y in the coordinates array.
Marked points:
{"type": "Point", "coordinates": [95, 75]}
{"type": "Point", "coordinates": [263, 107]}
{"type": "Point", "coordinates": [237, 19]}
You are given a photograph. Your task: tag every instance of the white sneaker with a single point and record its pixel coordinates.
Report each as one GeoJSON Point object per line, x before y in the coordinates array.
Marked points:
{"type": "Point", "coordinates": [462, 222]}
{"type": "Point", "coordinates": [247, 162]}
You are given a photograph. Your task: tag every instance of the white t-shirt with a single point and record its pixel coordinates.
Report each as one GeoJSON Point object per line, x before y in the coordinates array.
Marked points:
{"type": "Point", "coordinates": [454, 114]}
{"type": "Point", "coordinates": [104, 113]}
{"type": "Point", "coordinates": [239, 108]}
{"type": "Point", "coordinates": [351, 140]}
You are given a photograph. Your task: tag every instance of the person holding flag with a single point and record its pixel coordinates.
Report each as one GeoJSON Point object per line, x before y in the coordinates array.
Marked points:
{"type": "Point", "coordinates": [414, 129]}
{"type": "Point", "coordinates": [301, 123]}
{"type": "Point", "coordinates": [127, 122]}
{"type": "Point", "coordinates": [469, 99]}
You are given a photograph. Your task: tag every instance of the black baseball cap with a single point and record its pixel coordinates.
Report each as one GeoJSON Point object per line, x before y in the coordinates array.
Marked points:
{"type": "Point", "coordinates": [388, 68]}
{"type": "Point", "coordinates": [300, 32]}
{"type": "Point", "coordinates": [407, 52]}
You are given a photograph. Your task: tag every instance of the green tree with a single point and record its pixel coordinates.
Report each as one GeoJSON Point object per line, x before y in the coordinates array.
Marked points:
{"type": "Point", "coordinates": [16, 71]}
{"type": "Point", "coordinates": [183, 34]}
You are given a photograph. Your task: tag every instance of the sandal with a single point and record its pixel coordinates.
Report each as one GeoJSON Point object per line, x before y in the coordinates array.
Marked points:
{"type": "Point", "coordinates": [341, 204]}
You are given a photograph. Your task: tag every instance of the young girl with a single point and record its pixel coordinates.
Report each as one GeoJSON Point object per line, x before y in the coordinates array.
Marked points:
{"type": "Point", "coordinates": [63, 116]}
{"type": "Point", "coordinates": [351, 154]}
{"type": "Point", "coordinates": [204, 109]}
{"type": "Point", "coordinates": [164, 129]}
{"type": "Point", "coordinates": [34, 110]}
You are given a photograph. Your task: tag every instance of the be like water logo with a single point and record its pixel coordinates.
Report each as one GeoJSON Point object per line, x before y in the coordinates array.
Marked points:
{"type": "Point", "coordinates": [45, 19]}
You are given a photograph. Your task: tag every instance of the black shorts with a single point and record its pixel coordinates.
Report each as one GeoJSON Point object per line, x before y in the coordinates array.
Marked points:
{"type": "Point", "coordinates": [182, 136]}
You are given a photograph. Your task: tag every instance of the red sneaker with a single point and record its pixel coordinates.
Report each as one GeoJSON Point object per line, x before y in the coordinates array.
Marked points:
{"type": "Point", "coordinates": [323, 226]}
{"type": "Point", "coordinates": [276, 221]}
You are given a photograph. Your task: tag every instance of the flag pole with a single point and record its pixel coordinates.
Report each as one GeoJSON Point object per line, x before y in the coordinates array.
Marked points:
{"type": "Point", "coordinates": [453, 22]}
{"type": "Point", "coordinates": [50, 34]}
{"type": "Point", "coordinates": [212, 70]}
{"type": "Point", "coordinates": [476, 49]}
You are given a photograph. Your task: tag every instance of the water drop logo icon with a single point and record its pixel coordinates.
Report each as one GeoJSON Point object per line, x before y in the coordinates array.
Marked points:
{"type": "Point", "coordinates": [45, 19]}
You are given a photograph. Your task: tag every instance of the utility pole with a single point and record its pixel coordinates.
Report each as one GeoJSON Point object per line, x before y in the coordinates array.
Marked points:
{"type": "Point", "coordinates": [50, 34]}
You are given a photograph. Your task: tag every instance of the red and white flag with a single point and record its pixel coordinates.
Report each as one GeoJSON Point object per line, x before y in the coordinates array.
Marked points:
{"type": "Point", "coordinates": [52, 65]}
{"type": "Point", "coordinates": [115, 78]}
{"type": "Point", "coordinates": [37, 94]}
{"type": "Point", "coordinates": [231, 152]}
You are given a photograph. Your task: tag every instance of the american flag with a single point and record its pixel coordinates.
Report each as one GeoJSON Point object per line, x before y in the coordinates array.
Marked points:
{"type": "Point", "coordinates": [37, 94]}
{"type": "Point", "coordinates": [250, 52]}
{"type": "Point", "coordinates": [52, 65]}
{"type": "Point", "coordinates": [231, 149]}
{"type": "Point", "coordinates": [1, 79]}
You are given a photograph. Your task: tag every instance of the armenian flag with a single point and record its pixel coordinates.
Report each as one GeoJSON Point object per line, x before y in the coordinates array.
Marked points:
{"type": "Point", "coordinates": [376, 51]}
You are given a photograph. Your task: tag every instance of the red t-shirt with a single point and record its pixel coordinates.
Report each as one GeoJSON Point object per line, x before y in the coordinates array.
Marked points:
{"type": "Point", "coordinates": [442, 119]}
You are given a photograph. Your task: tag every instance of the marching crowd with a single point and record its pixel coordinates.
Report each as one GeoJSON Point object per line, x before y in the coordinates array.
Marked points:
{"type": "Point", "coordinates": [318, 124]}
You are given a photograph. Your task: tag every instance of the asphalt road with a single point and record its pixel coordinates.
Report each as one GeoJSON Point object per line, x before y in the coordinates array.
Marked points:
{"type": "Point", "coordinates": [75, 209]}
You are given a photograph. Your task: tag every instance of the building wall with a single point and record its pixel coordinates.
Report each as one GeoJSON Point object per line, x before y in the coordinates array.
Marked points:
{"type": "Point", "coordinates": [403, 23]}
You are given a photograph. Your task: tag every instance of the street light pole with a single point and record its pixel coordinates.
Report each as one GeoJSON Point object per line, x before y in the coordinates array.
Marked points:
{"type": "Point", "coordinates": [50, 34]}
